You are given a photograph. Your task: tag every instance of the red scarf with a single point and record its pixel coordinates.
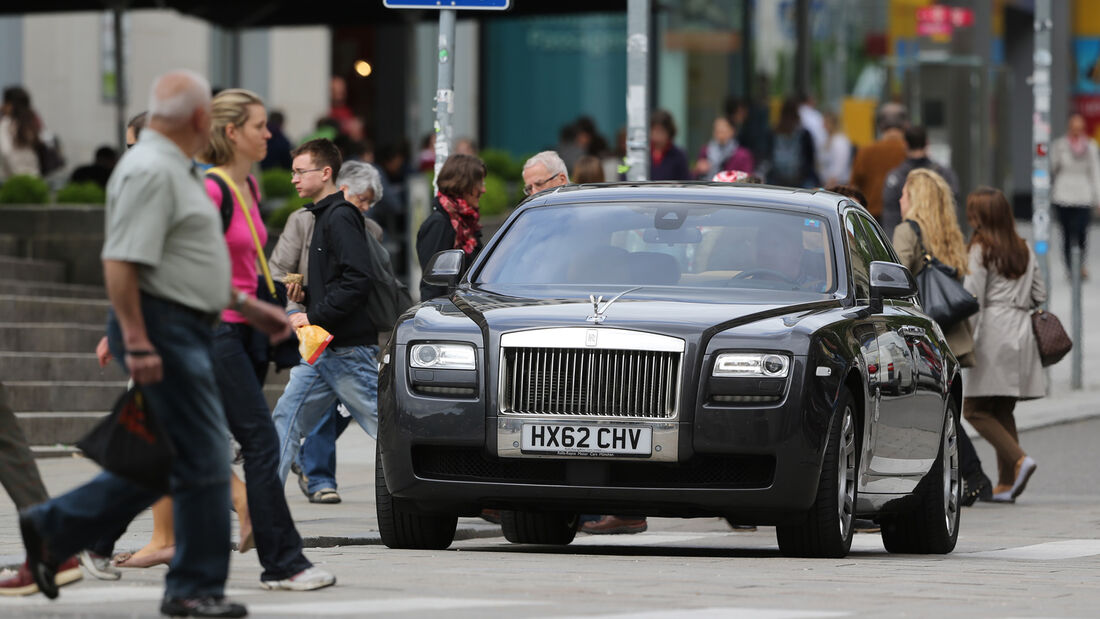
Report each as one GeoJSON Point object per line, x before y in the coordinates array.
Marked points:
{"type": "Point", "coordinates": [464, 219]}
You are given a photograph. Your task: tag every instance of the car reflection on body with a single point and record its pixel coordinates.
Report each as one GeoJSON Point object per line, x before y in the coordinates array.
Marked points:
{"type": "Point", "coordinates": [673, 350]}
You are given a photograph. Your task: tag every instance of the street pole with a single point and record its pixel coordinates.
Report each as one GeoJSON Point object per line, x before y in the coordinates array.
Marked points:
{"type": "Point", "coordinates": [445, 90]}
{"type": "Point", "coordinates": [118, 12]}
{"type": "Point", "coordinates": [637, 90]}
{"type": "Point", "coordinates": [1078, 345]}
{"type": "Point", "coordinates": [1040, 136]}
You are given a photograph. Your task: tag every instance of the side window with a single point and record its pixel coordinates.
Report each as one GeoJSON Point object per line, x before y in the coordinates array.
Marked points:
{"type": "Point", "coordinates": [859, 255]}
{"type": "Point", "coordinates": [879, 248]}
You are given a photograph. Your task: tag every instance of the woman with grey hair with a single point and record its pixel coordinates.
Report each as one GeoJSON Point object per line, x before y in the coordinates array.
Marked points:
{"type": "Point", "coordinates": [361, 184]}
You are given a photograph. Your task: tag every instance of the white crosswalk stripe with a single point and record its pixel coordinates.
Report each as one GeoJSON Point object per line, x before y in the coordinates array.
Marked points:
{"type": "Point", "coordinates": [376, 606]}
{"type": "Point", "coordinates": [720, 613]}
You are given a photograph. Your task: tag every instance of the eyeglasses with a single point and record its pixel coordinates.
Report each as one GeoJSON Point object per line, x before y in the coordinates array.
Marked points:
{"type": "Point", "coordinates": [529, 189]}
{"type": "Point", "coordinates": [300, 173]}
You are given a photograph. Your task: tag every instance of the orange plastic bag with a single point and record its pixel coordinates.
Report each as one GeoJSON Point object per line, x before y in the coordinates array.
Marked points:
{"type": "Point", "coordinates": [312, 341]}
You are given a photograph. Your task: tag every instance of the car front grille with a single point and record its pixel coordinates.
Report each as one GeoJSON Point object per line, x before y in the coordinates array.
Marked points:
{"type": "Point", "coordinates": [585, 382]}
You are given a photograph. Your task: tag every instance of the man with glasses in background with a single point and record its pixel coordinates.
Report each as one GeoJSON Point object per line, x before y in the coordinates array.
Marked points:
{"type": "Point", "coordinates": [544, 171]}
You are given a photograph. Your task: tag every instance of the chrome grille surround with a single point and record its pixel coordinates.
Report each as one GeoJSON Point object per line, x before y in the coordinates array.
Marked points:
{"type": "Point", "coordinates": [590, 373]}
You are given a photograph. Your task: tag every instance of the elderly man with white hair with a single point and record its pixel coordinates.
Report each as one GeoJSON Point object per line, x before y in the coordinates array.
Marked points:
{"type": "Point", "coordinates": [544, 171]}
{"type": "Point", "coordinates": [362, 186]}
{"type": "Point", "coordinates": [167, 272]}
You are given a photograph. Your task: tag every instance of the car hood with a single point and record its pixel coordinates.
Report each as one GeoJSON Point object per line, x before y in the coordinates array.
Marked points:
{"type": "Point", "coordinates": [502, 311]}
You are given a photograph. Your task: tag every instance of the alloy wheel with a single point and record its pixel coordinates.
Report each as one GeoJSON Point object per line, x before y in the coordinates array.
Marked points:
{"type": "Point", "coordinates": [846, 473]}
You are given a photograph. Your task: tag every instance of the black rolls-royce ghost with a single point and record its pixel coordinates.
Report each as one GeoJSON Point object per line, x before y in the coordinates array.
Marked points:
{"type": "Point", "coordinates": [675, 350]}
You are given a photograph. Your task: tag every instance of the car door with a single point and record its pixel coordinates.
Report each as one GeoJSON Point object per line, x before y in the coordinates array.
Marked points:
{"type": "Point", "coordinates": [912, 396]}
{"type": "Point", "coordinates": [866, 332]}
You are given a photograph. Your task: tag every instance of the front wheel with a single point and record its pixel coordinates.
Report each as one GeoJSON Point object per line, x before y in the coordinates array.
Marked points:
{"type": "Point", "coordinates": [932, 527]}
{"type": "Point", "coordinates": [522, 527]}
{"type": "Point", "coordinates": [401, 526]}
{"type": "Point", "coordinates": [826, 529]}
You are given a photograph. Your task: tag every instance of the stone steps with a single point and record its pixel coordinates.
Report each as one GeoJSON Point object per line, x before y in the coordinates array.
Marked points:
{"type": "Point", "coordinates": [24, 288]}
{"type": "Point", "coordinates": [31, 270]}
{"type": "Point", "coordinates": [27, 309]}
{"type": "Point", "coordinates": [28, 397]}
{"type": "Point", "coordinates": [43, 337]}
{"type": "Point", "coordinates": [59, 429]}
{"type": "Point", "coordinates": [59, 366]}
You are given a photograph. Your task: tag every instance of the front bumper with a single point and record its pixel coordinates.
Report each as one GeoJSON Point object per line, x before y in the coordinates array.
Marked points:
{"type": "Point", "coordinates": [761, 462]}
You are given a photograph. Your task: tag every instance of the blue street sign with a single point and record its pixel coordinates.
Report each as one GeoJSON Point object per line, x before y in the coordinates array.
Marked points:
{"type": "Point", "coordinates": [494, 5]}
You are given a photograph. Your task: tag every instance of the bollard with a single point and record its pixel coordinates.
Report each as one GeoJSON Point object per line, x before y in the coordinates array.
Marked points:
{"type": "Point", "coordinates": [1078, 343]}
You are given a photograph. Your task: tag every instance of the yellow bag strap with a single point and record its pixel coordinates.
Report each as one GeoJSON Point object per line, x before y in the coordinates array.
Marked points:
{"type": "Point", "coordinates": [251, 226]}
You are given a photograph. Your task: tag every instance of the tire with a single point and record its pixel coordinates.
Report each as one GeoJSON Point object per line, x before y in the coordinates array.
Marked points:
{"type": "Point", "coordinates": [932, 527]}
{"type": "Point", "coordinates": [522, 527]}
{"type": "Point", "coordinates": [826, 529]}
{"type": "Point", "coordinates": [403, 527]}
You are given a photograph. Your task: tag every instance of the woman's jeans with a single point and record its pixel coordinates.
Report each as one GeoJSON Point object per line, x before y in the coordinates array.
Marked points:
{"type": "Point", "coordinates": [1075, 229]}
{"type": "Point", "coordinates": [277, 540]}
{"type": "Point", "coordinates": [188, 405]}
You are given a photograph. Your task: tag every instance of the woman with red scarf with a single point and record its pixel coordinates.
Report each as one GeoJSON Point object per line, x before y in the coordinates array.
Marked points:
{"type": "Point", "coordinates": [1075, 166]}
{"type": "Point", "coordinates": [454, 222]}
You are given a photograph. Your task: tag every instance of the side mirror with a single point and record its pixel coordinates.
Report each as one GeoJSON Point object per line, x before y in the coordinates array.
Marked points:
{"type": "Point", "coordinates": [890, 280]}
{"type": "Point", "coordinates": [445, 268]}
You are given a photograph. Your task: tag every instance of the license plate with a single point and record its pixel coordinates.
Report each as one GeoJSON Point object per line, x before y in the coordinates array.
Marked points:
{"type": "Point", "coordinates": [587, 440]}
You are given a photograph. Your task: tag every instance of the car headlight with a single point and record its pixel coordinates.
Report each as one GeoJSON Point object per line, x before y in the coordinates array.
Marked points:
{"type": "Point", "coordinates": [740, 364]}
{"type": "Point", "coordinates": [443, 356]}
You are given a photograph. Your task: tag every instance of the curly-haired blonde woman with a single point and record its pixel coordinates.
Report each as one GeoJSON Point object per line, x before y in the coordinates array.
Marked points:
{"type": "Point", "coordinates": [928, 218]}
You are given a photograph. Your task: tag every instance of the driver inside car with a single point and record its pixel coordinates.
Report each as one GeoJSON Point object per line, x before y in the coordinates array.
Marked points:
{"type": "Point", "coordinates": [781, 258]}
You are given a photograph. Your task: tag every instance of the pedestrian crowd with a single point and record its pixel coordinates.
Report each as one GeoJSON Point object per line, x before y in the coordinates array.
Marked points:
{"type": "Point", "coordinates": [187, 277]}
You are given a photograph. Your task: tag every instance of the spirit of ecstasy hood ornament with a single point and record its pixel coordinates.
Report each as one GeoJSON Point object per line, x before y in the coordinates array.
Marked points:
{"type": "Point", "coordinates": [599, 313]}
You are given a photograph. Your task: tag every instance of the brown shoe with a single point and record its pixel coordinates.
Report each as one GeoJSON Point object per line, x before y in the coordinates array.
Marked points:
{"type": "Point", "coordinates": [610, 525]}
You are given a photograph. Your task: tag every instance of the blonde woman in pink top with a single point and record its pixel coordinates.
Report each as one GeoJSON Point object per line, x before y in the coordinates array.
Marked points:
{"type": "Point", "coordinates": [238, 142]}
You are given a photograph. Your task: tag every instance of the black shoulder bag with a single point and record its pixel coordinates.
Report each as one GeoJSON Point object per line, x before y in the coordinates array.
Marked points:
{"type": "Point", "coordinates": [942, 295]}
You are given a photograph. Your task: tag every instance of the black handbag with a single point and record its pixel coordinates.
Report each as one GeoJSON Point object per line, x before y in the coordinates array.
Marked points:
{"type": "Point", "coordinates": [131, 443]}
{"type": "Point", "coordinates": [942, 295]}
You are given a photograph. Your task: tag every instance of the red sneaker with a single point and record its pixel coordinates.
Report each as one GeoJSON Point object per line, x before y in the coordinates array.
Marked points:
{"type": "Point", "coordinates": [23, 583]}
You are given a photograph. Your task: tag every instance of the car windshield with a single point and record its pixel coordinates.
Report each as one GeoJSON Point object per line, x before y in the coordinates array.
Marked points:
{"type": "Point", "coordinates": [664, 244]}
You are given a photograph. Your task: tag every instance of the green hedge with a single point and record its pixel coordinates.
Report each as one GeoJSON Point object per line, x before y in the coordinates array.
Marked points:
{"type": "Point", "coordinates": [81, 193]}
{"type": "Point", "coordinates": [279, 217]}
{"type": "Point", "coordinates": [276, 183]}
{"type": "Point", "coordinates": [24, 189]}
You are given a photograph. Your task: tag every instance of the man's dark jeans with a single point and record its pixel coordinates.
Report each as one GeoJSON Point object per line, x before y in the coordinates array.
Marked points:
{"type": "Point", "coordinates": [317, 459]}
{"type": "Point", "coordinates": [277, 540]}
{"type": "Point", "coordinates": [188, 405]}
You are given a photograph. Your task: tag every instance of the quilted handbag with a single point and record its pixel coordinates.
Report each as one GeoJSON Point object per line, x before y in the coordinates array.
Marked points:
{"type": "Point", "coordinates": [941, 293]}
{"type": "Point", "coordinates": [1053, 341]}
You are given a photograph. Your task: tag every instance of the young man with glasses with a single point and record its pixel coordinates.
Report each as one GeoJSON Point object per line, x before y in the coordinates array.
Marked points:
{"type": "Point", "coordinates": [334, 299]}
{"type": "Point", "coordinates": [544, 171]}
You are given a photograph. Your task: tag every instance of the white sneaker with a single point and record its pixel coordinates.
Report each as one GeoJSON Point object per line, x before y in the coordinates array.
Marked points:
{"type": "Point", "coordinates": [305, 580]}
{"type": "Point", "coordinates": [98, 566]}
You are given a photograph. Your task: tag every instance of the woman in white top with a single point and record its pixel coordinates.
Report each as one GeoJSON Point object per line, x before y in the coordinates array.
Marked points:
{"type": "Point", "coordinates": [836, 157]}
{"type": "Point", "coordinates": [1075, 166]}
{"type": "Point", "coordinates": [19, 129]}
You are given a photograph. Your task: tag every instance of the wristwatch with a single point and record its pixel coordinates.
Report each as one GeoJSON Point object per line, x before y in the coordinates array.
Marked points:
{"type": "Point", "coordinates": [240, 297]}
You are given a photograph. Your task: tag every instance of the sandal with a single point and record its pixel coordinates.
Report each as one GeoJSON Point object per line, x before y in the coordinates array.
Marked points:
{"type": "Point", "coordinates": [162, 556]}
{"type": "Point", "coordinates": [325, 495]}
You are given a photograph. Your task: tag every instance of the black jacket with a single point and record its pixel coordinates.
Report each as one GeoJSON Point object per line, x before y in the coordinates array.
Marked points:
{"type": "Point", "coordinates": [895, 180]}
{"type": "Point", "coordinates": [339, 261]}
{"type": "Point", "coordinates": [437, 234]}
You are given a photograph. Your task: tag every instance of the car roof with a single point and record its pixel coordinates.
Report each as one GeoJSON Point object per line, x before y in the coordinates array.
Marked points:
{"type": "Point", "coordinates": [743, 194]}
